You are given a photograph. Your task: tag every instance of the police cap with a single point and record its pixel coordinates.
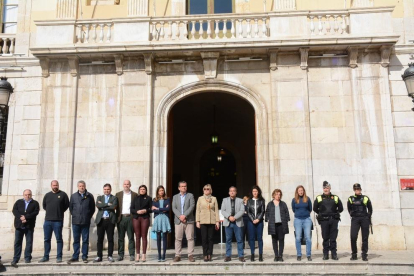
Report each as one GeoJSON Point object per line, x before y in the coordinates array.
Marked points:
{"type": "Point", "coordinates": [357, 186]}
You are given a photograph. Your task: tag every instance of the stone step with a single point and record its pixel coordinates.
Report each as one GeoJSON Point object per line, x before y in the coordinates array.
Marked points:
{"type": "Point", "coordinates": [214, 268]}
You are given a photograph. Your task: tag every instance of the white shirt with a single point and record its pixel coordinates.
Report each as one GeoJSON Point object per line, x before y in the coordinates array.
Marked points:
{"type": "Point", "coordinates": [126, 204]}
{"type": "Point", "coordinates": [255, 207]}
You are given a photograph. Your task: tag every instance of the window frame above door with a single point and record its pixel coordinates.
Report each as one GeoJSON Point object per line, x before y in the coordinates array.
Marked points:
{"type": "Point", "coordinates": [210, 6]}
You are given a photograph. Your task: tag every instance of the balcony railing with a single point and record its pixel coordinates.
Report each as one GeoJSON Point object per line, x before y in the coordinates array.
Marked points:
{"type": "Point", "coordinates": [7, 44]}
{"type": "Point", "coordinates": [209, 27]}
{"type": "Point", "coordinates": [213, 28]}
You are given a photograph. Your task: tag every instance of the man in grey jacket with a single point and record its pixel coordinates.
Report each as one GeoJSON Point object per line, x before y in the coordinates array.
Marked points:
{"type": "Point", "coordinates": [183, 208]}
{"type": "Point", "coordinates": [232, 210]}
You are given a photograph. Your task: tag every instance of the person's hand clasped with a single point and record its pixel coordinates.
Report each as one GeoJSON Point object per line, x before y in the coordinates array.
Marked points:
{"type": "Point", "coordinates": [198, 224]}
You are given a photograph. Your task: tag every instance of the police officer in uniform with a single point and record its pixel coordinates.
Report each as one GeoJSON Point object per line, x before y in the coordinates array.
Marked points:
{"type": "Point", "coordinates": [328, 207]}
{"type": "Point", "coordinates": [360, 210]}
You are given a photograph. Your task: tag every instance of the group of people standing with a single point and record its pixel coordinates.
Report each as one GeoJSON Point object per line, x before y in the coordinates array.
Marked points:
{"type": "Point", "coordinates": [130, 213]}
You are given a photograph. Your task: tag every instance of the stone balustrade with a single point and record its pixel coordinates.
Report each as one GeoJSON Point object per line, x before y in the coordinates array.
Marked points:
{"type": "Point", "coordinates": [93, 32]}
{"type": "Point", "coordinates": [269, 27]}
{"type": "Point", "coordinates": [323, 23]}
{"type": "Point", "coordinates": [7, 43]}
{"type": "Point", "coordinates": [223, 26]}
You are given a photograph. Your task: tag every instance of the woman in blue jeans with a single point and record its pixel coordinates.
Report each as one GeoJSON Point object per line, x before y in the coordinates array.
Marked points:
{"type": "Point", "coordinates": [256, 210]}
{"type": "Point", "coordinates": [302, 207]}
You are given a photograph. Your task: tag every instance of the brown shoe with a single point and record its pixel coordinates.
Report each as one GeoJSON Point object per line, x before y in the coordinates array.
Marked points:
{"type": "Point", "coordinates": [206, 258]}
{"type": "Point", "coordinates": [241, 259]}
{"type": "Point", "coordinates": [177, 259]}
{"type": "Point", "coordinates": [191, 259]}
{"type": "Point", "coordinates": [227, 259]}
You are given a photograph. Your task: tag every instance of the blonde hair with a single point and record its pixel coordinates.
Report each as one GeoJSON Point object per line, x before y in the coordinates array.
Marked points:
{"type": "Point", "coordinates": [297, 197]}
{"type": "Point", "coordinates": [246, 198]}
{"type": "Point", "coordinates": [277, 191]}
{"type": "Point", "coordinates": [208, 186]}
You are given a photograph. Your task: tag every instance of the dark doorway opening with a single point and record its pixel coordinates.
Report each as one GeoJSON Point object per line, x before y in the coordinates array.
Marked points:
{"type": "Point", "coordinates": [193, 157]}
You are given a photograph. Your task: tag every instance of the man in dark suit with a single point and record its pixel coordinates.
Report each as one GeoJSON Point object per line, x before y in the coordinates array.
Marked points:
{"type": "Point", "coordinates": [183, 209]}
{"type": "Point", "coordinates": [105, 221]}
{"type": "Point", "coordinates": [25, 212]}
{"type": "Point", "coordinates": [82, 208]}
{"type": "Point", "coordinates": [124, 221]}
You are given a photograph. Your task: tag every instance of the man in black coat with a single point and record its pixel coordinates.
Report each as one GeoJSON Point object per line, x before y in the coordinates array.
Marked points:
{"type": "Point", "coordinates": [25, 212]}
{"type": "Point", "coordinates": [82, 208]}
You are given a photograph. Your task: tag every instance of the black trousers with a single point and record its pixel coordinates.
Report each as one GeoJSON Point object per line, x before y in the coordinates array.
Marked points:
{"type": "Point", "coordinates": [18, 241]}
{"type": "Point", "coordinates": [105, 226]}
{"type": "Point", "coordinates": [207, 233]}
{"type": "Point", "coordinates": [279, 237]}
{"type": "Point", "coordinates": [356, 224]}
{"type": "Point", "coordinates": [329, 234]}
{"type": "Point", "coordinates": [162, 238]}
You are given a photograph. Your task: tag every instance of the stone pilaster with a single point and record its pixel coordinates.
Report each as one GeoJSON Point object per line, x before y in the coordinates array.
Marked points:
{"type": "Point", "coordinates": [138, 7]}
{"type": "Point", "coordinates": [66, 9]}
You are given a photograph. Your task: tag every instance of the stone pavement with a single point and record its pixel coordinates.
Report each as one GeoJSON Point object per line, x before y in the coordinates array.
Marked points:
{"type": "Point", "coordinates": [380, 263]}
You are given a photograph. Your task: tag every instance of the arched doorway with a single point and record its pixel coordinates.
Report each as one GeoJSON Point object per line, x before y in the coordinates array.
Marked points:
{"type": "Point", "coordinates": [194, 158]}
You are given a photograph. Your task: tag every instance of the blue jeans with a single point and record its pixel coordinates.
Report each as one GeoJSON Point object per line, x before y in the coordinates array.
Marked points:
{"type": "Point", "coordinates": [303, 225]}
{"type": "Point", "coordinates": [255, 231]}
{"type": "Point", "coordinates": [18, 241]}
{"type": "Point", "coordinates": [237, 231]}
{"type": "Point", "coordinates": [78, 231]}
{"type": "Point", "coordinates": [50, 227]}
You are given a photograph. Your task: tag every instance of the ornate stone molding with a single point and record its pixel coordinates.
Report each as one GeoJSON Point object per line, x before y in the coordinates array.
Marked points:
{"type": "Point", "coordinates": [304, 54]}
{"type": "Point", "coordinates": [273, 59]}
{"type": "Point", "coordinates": [73, 65]}
{"type": "Point", "coordinates": [149, 63]}
{"type": "Point", "coordinates": [353, 56]}
{"type": "Point", "coordinates": [119, 64]}
{"type": "Point", "coordinates": [385, 55]}
{"type": "Point", "coordinates": [66, 9]}
{"type": "Point", "coordinates": [44, 64]}
{"type": "Point", "coordinates": [210, 64]}
{"type": "Point", "coordinates": [138, 7]}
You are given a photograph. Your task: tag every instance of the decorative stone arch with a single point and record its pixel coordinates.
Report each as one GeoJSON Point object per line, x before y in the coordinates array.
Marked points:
{"type": "Point", "coordinates": [159, 161]}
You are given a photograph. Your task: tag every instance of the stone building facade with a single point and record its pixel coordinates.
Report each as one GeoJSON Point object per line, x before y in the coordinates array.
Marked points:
{"type": "Point", "coordinates": [95, 82]}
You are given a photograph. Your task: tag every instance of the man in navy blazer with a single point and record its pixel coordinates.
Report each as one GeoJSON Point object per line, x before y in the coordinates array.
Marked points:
{"type": "Point", "coordinates": [25, 212]}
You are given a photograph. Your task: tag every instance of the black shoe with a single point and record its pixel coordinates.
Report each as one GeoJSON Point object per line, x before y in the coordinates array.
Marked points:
{"type": "Point", "coordinates": [58, 260]}
{"type": "Point", "coordinates": [132, 258]}
{"type": "Point", "coordinates": [275, 259]}
{"type": "Point", "coordinates": [72, 260]}
{"type": "Point", "coordinates": [27, 261]}
{"type": "Point", "coordinates": [281, 259]}
{"type": "Point", "coordinates": [309, 258]}
{"type": "Point", "coordinates": [260, 257]}
{"type": "Point", "coordinates": [325, 257]}
{"type": "Point", "coordinates": [14, 264]}
{"type": "Point", "coordinates": [299, 258]}
{"type": "Point", "coordinates": [334, 257]}
{"type": "Point", "coordinates": [252, 258]}
{"type": "Point", "coordinates": [365, 258]}
{"type": "Point", "coordinates": [120, 258]}
{"type": "Point", "coordinates": [85, 261]}
{"type": "Point", "coordinates": [43, 260]}
{"type": "Point", "coordinates": [354, 257]}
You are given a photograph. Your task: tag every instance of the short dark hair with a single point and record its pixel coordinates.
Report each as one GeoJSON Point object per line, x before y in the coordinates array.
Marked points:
{"type": "Point", "coordinates": [108, 185]}
{"type": "Point", "coordinates": [182, 182]}
{"type": "Point", "coordinates": [233, 187]}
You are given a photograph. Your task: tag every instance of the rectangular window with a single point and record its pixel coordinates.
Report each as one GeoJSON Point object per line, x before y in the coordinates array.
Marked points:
{"type": "Point", "coordinates": [9, 16]}
{"type": "Point", "coordinates": [210, 7]}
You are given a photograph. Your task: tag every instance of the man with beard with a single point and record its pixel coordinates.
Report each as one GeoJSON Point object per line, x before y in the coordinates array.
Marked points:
{"type": "Point", "coordinates": [55, 203]}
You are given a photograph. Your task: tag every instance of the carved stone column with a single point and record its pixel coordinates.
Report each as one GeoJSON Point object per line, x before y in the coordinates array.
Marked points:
{"type": "Point", "coordinates": [280, 5]}
{"type": "Point", "coordinates": [138, 7]}
{"type": "Point", "coordinates": [66, 9]}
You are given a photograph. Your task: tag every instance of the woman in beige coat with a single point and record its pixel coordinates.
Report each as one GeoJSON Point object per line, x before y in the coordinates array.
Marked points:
{"type": "Point", "coordinates": [207, 218]}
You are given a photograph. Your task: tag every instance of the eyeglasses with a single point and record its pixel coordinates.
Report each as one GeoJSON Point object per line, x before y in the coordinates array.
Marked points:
{"type": "Point", "coordinates": [206, 189]}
